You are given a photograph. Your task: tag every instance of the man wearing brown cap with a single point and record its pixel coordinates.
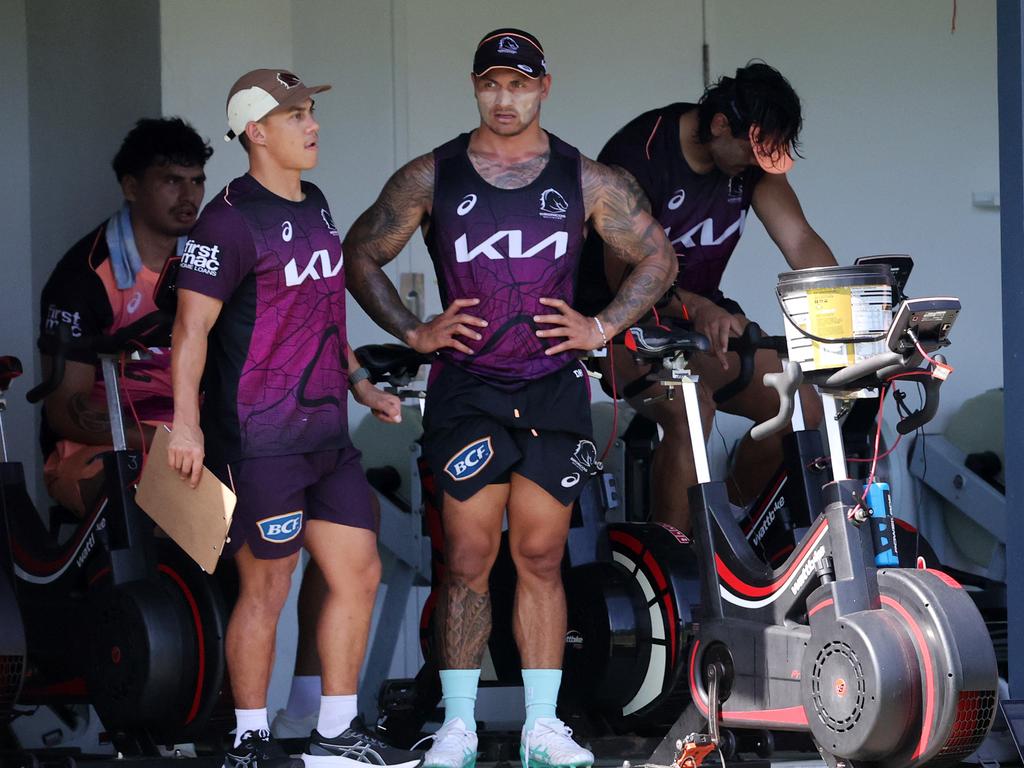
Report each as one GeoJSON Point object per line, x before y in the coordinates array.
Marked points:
{"type": "Point", "coordinates": [701, 168]}
{"type": "Point", "coordinates": [507, 422]}
{"type": "Point", "coordinates": [261, 322]}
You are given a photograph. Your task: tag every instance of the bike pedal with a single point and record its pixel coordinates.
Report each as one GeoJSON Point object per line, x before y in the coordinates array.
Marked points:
{"type": "Point", "coordinates": [694, 749]}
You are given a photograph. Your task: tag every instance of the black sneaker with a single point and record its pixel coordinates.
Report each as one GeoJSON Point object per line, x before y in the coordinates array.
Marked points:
{"type": "Point", "coordinates": [258, 749]}
{"type": "Point", "coordinates": [358, 748]}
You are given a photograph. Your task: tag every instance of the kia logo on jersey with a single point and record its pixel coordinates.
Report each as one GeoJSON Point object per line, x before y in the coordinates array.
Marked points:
{"type": "Point", "coordinates": [470, 460]}
{"type": "Point", "coordinates": [281, 528]}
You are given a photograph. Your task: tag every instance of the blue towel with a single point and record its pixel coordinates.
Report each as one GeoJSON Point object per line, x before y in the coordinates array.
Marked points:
{"type": "Point", "coordinates": [124, 256]}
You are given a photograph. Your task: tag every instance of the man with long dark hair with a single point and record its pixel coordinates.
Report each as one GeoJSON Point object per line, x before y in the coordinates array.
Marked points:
{"type": "Point", "coordinates": [701, 168]}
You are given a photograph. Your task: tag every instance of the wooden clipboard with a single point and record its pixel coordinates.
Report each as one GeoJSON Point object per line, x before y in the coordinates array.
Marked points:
{"type": "Point", "coordinates": [196, 519]}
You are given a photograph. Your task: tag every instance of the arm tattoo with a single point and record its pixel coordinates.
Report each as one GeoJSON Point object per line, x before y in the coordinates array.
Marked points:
{"type": "Point", "coordinates": [379, 235]}
{"type": "Point", "coordinates": [617, 208]}
{"type": "Point", "coordinates": [462, 626]}
{"type": "Point", "coordinates": [86, 417]}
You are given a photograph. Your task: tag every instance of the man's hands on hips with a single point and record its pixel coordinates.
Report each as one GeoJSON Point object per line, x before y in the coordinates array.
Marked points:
{"type": "Point", "coordinates": [441, 332]}
{"type": "Point", "coordinates": [185, 452]}
{"type": "Point", "coordinates": [385, 406]}
{"type": "Point", "coordinates": [580, 331]}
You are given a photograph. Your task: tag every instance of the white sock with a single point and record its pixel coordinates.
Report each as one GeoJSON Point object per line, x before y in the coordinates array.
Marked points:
{"type": "Point", "coordinates": [336, 714]}
{"type": "Point", "coordinates": [250, 720]}
{"type": "Point", "coordinates": [304, 696]}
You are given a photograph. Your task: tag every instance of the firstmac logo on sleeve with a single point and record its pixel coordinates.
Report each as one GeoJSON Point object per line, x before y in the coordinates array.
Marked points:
{"type": "Point", "coordinates": [201, 258]}
{"type": "Point", "coordinates": [470, 460]}
{"type": "Point", "coordinates": [281, 528]}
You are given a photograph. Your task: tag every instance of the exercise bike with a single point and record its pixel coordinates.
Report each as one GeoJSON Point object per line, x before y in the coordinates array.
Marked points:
{"type": "Point", "coordinates": [114, 616]}
{"type": "Point", "coordinates": [887, 666]}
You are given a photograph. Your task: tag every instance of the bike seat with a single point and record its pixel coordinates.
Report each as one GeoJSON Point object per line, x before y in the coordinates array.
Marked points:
{"type": "Point", "coordinates": [656, 342]}
{"type": "Point", "coordinates": [390, 360]}
{"type": "Point", "coordinates": [10, 369]}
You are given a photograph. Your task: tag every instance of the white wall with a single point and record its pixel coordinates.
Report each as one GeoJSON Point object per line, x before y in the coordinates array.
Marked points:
{"type": "Point", "coordinates": [900, 129]}
{"type": "Point", "coordinates": [17, 327]}
{"type": "Point", "coordinates": [204, 48]}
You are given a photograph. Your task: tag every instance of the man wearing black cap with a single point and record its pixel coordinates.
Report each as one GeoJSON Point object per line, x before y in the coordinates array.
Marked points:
{"type": "Point", "coordinates": [701, 168]}
{"type": "Point", "coordinates": [261, 307]}
{"type": "Point", "coordinates": [504, 210]}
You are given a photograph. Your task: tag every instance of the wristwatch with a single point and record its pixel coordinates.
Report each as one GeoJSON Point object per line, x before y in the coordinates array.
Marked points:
{"type": "Point", "coordinates": [359, 374]}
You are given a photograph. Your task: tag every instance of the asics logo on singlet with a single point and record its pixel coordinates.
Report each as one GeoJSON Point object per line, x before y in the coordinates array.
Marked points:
{"type": "Point", "coordinates": [559, 241]}
{"type": "Point", "coordinates": [466, 205]}
{"type": "Point", "coordinates": [470, 460]}
{"type": "Point", "coordinates": [293, 277]}
{"type": "Point", "coordinates": [201, 258]}
{"type": "Point", "coordinates": [281, 528]}
{"type": "Point", "coordinates": [677, 199]}
{"type": "Point", "coordinates": [707, 233]}
{"type": "Point", "coordinates": [508, 45]}
{"type": "Point", "coordinates": [552, 204]}
{"type": "Point", "coordinates": [286, 231]}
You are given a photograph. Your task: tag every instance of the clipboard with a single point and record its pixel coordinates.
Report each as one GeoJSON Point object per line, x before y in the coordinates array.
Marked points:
{"type": "Point", "coordinates": [196, 519]}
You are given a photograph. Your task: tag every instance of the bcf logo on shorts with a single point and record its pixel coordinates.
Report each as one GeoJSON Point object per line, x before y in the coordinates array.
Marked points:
{"type": "Point", "coordinates": [281, 528]}
{"type": "Point", "coordinates": [470, 460]}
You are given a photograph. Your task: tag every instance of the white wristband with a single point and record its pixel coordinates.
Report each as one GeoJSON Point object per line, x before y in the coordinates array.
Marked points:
{"type": "Point", "coordinates": [600, 328]}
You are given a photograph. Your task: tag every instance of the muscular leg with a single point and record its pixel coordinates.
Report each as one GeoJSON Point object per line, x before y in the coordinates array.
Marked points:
{"type": "Point", "coordinates": [538, 527]}
{"type": "Point", "coordinates": [472, 530]}
{"type": "Point", "coordinates": [252, 630]}
{"type": "Point", "coordinates": [312, 595]}
{"type": "Point", "coordinates": [348, 560]}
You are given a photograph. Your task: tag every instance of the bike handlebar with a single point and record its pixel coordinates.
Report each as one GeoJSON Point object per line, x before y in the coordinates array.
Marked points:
{"type": "Point", "coordinates": [786, 383]}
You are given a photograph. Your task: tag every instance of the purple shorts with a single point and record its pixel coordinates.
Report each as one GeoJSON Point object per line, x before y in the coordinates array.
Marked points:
{"type": "Point", "coordinates": [277, 494]}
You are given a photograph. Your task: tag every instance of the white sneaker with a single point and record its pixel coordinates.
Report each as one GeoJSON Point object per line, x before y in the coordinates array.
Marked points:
{"type": "Point", "coordinates": [284, 726]}
{"type": "Point", "coordinates": [549, 744]}
{"type": "Point", "coordinates": [454, 746]}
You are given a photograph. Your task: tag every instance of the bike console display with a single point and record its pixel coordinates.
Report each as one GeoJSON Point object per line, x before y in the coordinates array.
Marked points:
{"type": "Point", "coordinates": [925, 321]}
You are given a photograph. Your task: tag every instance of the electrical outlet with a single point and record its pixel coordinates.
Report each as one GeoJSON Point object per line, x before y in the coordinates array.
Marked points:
{"type": "Point", "coordinates": [410, 288]}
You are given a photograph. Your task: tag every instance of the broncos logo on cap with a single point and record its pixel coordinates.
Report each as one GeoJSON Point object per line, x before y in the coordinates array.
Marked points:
{"type": "Point", "coordinates": [508, 45]}
{"type": "Point", "coordinates": [288, 80]}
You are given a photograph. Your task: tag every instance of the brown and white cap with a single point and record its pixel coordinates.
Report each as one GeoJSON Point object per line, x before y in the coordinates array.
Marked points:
{"type": "Point", "coordinates": [258, 93]}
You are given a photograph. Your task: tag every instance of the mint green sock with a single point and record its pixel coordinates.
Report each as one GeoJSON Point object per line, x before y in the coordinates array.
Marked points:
{"type": "Point", "coordinates": [541, 689]}
{"type": "Point", "coordinates": [458, 692]}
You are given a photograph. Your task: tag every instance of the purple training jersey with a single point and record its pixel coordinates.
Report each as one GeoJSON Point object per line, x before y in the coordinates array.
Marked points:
{"type": "Point", "coordinates": [276, 381]}
{"type": "Point", "coordinates": [703, 214]}
{"type": "Point", "coordinates": [509, 248]}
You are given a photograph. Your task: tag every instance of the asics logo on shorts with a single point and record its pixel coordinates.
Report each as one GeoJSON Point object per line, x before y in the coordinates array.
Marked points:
{"type": "Point", "coordinates": [281, 528]}
{"type": "Point", "coordinates": [470, 460]}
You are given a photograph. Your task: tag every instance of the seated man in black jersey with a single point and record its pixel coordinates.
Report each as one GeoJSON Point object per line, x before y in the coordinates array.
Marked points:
{"type": "Point", "coordinates": [503, 210]}
{"type": "Point", "coordinates": [104, 283]}
{"type": "Point", "coordinates": [701, 168]}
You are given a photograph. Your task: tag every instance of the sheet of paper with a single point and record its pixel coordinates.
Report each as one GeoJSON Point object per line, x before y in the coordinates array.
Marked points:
{"type": "Point", "coordinates": [196, 519]}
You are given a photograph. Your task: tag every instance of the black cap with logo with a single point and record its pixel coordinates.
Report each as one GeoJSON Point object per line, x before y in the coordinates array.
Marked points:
{"type": "Point", "coordinates": [510, 49]}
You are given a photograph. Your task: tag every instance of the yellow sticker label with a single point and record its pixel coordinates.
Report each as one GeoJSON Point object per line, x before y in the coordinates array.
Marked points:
{"type": "Point", "coordinates": [830, 316]}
